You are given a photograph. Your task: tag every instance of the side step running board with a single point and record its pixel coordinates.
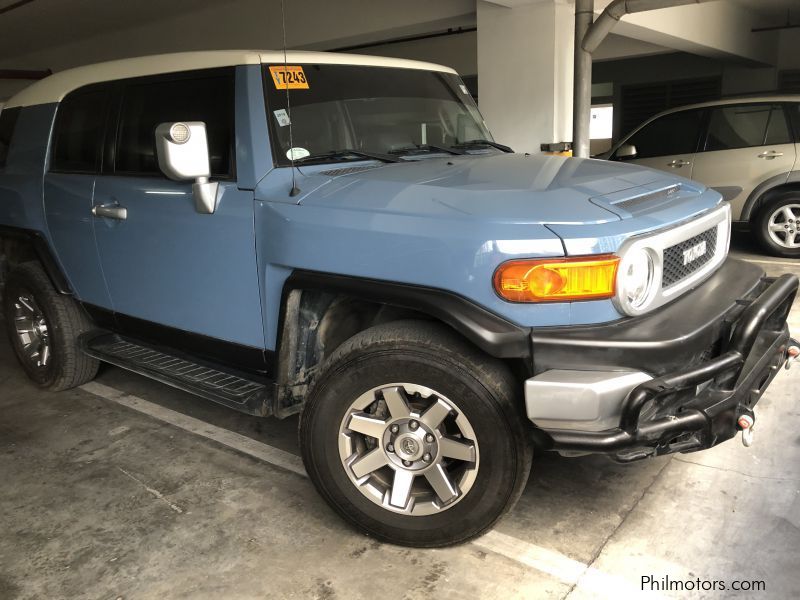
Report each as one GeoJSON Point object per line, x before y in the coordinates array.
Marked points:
{"type": "Point", "coordinates": [223, 387]}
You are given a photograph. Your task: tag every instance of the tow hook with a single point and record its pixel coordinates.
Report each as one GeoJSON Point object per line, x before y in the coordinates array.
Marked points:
{"type": "Point", "coordinates": [792, 352]}
{"type": "Point", "coordinates": [746, 423]}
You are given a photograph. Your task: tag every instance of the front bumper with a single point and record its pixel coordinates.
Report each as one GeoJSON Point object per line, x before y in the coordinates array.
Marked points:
{"type": "Point", "coordinates": [712, 355]}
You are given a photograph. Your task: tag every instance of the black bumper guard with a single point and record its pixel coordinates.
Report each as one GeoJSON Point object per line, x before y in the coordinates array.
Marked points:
{"type": "Point", "coordinates": [727, 387]}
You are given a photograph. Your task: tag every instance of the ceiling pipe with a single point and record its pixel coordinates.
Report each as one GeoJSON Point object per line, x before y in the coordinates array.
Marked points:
{"type": "Point", "coordinates": [582, 87]}
{"type": "Point", "coordinates": [618, 9]}
{"type": "Point", "coordinates": [586, 43]}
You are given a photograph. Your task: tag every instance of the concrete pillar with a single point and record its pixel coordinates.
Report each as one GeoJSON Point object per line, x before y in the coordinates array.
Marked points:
{"type": "Point", "coordinates": [525, 61]}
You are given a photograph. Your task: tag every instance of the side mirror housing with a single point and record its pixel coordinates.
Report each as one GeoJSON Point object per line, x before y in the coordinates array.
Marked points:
{"type": "Point", "coordinates": [626, 152]}
{"type": "Point", "coordinates": [182, 151]}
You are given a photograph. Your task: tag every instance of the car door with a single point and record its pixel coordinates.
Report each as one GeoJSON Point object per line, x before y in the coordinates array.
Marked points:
{"type": "Point", "coordinates": [174, 273]}
{"type": "Point", "coordinates": [667, 143]}
{"type": "Point", "coordinates": [75, 158]}
{"type": "Point", "coordinates": [746, 144]}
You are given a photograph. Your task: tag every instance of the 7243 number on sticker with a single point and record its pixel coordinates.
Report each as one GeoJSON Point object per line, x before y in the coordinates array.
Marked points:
{"type": "Point", "coordinates": [288, 77]}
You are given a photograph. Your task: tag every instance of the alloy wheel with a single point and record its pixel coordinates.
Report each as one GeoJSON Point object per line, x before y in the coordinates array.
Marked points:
{"type": "Point", "coordinates": [32, 330]}
{"type": "Point", "coordinates": [783, 226]}
{"type": "Point", "coordinates": [408, 449]}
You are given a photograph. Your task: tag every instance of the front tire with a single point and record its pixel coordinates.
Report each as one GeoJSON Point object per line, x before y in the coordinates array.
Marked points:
{"type": "Point", "coordinates": [777, 225]}
{"type": "Point", "coordinates": [415, 437]}
{"type": "Point", "coordinates": [43, 327]}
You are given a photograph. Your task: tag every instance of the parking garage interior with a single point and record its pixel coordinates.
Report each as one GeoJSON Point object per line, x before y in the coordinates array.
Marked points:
{"type": "Point", "coordinates": [127, 488]}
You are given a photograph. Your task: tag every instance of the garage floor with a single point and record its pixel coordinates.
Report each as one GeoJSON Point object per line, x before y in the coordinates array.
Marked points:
{"type": "Point", "coordinates": [129, 489]}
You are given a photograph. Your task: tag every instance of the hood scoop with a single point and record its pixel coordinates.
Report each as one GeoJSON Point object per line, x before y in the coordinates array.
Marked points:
{"type": "Point", "coordinates": [647, 198]}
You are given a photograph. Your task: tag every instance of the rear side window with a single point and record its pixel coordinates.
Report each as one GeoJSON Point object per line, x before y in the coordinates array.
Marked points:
{"type": "Point", "coordinates": [8, 121]}
{"type": "Point", "coordinates": [675, 133]}
{"type": "Point", "coordinates": [793, 112]}
{"type": "Point", "coordinates": [147, 104]}
{"type": "Point", "coordinates": [78, 137]}
{"type": "Point", "coordinates": [746, 126]}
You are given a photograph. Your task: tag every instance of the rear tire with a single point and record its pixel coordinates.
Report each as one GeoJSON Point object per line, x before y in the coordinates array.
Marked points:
{"type": "Point", "coordinates": [43, 327]}
{"type": "Point", "coordinates": [467, 459]}
{"type": "Point", "coordinates": [777, 225]}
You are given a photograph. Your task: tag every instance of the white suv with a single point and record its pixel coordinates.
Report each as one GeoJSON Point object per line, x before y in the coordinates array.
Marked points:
{"type": "Point", "coordinates": [746, 149]}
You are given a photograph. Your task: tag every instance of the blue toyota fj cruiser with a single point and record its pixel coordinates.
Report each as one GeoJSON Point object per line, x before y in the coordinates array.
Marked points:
{"type": "Point", "coordinates": [340, 236]}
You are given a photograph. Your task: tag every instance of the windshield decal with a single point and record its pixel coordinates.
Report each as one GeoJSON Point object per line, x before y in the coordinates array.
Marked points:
{"type": "Point", "coordinates": [282, 117]}
{"type": "Point", "coordinates": [297, 153]}
{"type": "Point", "coordinates": [289, 77]}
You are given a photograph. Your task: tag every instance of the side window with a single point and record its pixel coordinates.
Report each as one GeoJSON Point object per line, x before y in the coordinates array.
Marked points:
{"type": "Point", "coordinates": [746, 126]}
{"type": "Point", "coordinates": [675, 133]}
{"type": "Point", "coordinates": [78, 137]}
{"type": "Point", "coordinates": [793, 112]}
{"type": "Point", "coordinates": [778, 131]}
{"type": "Point", "coordinates": [147, 104]}
{"type": "Point", "coordinates": [8, 121]}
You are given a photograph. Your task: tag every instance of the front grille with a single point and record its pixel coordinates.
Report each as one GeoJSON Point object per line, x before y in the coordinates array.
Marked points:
{"type": "Point", "coordinates": [676, 266]}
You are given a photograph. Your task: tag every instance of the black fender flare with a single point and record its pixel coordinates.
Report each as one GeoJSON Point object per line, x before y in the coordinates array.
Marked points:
{"type": "Point", "coordinates": [753, 200]}
{"type": "Point", "coordinates": [41, 249]}
{"type": "Point", "coordinates": [491, 333]}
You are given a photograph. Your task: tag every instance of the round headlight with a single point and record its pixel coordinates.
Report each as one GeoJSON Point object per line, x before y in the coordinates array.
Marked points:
{"type": "Point", "coordinates": [636, 279]}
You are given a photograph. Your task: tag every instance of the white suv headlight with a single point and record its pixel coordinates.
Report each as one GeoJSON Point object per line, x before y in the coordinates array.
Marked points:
{"type": "Point", "coordinates": [636, 279]}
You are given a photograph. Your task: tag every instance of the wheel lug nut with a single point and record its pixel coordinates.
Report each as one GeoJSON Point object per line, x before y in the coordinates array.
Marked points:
{"type": "Point", "coordinates": [394, 429]}
{"type": "Point", "coordinates": [429, 438]}
{"type": "Point", "coordinates": [426, 457]}
{"type": "Point", "coordinates": [390, 448]}
{"type": "Point", "coordinates": [406, 463]}
{"type": "Point", "coordinates": [413, 425]}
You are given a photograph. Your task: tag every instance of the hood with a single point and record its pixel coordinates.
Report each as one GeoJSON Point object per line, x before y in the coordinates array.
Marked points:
{"type": "Point", "coordinates": [500, 187]}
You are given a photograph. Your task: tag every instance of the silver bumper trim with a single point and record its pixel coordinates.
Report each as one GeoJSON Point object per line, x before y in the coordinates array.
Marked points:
{"type": "Point", "coordinates": [579, 400]}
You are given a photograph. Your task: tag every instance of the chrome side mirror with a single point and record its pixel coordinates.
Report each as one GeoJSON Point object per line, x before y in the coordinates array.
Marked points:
{"type": "Point", "coordinates": [182, 150]}
{"type": "Point", "coordinates": [626, 152]}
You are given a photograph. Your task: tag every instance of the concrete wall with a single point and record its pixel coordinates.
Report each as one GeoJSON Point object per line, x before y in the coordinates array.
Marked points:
{"type": "Point", "coordinates": [525, 72]}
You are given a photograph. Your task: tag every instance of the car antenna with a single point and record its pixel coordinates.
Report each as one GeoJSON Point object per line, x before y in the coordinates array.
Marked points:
{"type": "Point", "coordinates": [295, 190]}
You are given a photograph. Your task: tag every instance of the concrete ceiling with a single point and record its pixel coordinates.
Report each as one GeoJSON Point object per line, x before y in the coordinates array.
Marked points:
{"type": "Point", "coordinates": [772, 13]}
{"type": "Point", "coordinates": [26, 25]}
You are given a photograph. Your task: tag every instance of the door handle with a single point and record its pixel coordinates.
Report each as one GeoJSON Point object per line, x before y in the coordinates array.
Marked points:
{"type": "Point", "coordinates": [770, 154]}
{"type": "Point", "coordinates": [110, 211]}
{"type": "Point", "coordinates": [678, 163]}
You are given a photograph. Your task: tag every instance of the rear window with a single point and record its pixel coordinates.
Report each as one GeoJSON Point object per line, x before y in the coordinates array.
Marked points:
{"type": "Point", "coordinates": [747, 126]}
{"type": "Point", "coordinates": [793, 111]}
{"type": "Point", "coordinates": [8, 121]}
{"type": "Point", "coordinates": [78, 137]}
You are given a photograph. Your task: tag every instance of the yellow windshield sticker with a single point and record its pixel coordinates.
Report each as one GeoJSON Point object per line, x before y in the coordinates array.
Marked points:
{"type": "Point", "coordinates": [288, 77]}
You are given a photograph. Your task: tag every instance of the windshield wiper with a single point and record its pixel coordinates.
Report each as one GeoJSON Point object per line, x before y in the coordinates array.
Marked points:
{"type": "Point", "coordinates": [425, 148]}
{"type": "Point", "coordinates": [476, 143]}
{"type": "Point", "coordinates": [345, 152]}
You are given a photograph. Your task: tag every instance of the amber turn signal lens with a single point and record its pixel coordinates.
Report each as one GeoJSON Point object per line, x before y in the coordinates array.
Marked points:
{"type": "Point", "coordinates": [557, 280]}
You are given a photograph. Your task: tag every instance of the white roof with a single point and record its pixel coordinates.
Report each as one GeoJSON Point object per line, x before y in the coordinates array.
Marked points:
{"type": "Point", "coordinates": [56, 86]}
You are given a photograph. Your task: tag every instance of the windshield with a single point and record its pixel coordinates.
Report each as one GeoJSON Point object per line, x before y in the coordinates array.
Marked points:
{"type": "Point", "coordinates": [375, 110]}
